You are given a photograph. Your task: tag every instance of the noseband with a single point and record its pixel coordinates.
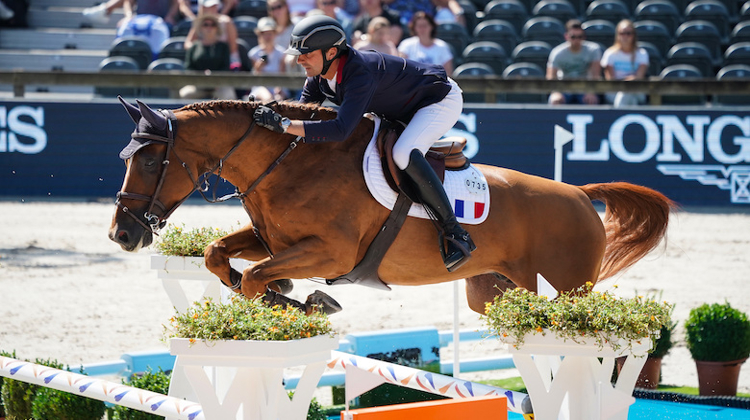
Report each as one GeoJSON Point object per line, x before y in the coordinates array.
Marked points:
{"type": "Point", "coordinates": [153, 222]}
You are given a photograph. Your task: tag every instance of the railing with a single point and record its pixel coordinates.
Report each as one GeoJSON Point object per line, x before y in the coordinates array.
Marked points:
{"type": "Point", "coordinates": [490, 86]}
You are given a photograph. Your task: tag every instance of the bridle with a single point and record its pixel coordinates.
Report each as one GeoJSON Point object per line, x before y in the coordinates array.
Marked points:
{"type": "Point", "coordinates": [153, 222]}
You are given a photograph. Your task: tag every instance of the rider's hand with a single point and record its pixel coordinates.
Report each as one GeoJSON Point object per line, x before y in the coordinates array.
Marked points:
{"type": "Point", "coordinates": [268, 118]}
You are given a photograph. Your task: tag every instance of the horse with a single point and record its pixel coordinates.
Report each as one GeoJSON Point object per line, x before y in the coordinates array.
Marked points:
{"type": "Point", "coordinates": [312, 216]}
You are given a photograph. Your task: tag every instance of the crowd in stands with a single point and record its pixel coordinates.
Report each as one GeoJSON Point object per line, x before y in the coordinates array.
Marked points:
{"type": "Point", "coordinates": [610, 39]}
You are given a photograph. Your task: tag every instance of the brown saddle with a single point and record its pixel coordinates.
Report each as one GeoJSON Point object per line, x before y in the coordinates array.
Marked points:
{"type": "Point", "coordinates": [445, 154]}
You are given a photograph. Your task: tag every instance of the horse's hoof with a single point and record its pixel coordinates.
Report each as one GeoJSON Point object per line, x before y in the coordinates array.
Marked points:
{"type": "Point", "coordinates": [322, 302]}
{"type": "Point", "coordinates": [283, 286]}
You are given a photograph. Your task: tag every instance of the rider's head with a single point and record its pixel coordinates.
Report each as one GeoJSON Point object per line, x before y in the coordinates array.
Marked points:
{"type": "Point", "coordinates": [318, 32]}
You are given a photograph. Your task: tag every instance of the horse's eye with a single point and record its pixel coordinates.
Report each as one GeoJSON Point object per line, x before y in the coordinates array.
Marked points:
{"type": "Point", "coordinates": [150, 162]}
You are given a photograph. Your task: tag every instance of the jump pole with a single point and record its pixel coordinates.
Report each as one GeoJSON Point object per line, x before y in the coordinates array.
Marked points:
{"type": "Point", "coordinates": [99, 389]}
{"type": "Point", "coordinates": [433, 383]}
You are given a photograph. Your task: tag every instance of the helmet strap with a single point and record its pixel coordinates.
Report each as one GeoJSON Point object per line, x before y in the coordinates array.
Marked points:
{"type": "Point", "coordinates": [327, 63]}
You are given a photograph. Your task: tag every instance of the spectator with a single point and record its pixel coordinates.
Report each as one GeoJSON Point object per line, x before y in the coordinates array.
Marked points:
{"type": "Point", "coordinates": [407, 8]}
{"type": "Point", "coordinates": [209, 53]}
{"type": "Point", "coordinates": [267, 57]}
{"type": "Point", "coordinates": [227, 31]}
{"type": "Point", "coordinates": [377, 38]}
{"type": "Point", "coordinates": [168, 10]}
{"type": "Point", "coordinates": [331, 9]}
{"type": "Point", "coordinates": [575, 58]}
{"type": "Point", "coordinates": [625, 61]}
{"type": "Point", "coordinates": [369, 9]}
{"type": "Point", "coordinates": [278, 10]}
{"type": "Point", "coordinates": [300, 8]}
{"type": "Point", "coordinates": [449, 11]}
{"type": "Point", "coordinates": [191, 8]}
{"type": "Point", "coordinates": [423, 47]}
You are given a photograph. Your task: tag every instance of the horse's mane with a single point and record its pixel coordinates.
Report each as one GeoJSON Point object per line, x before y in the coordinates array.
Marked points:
{"type": "Point", "coordinates": [291, 109]}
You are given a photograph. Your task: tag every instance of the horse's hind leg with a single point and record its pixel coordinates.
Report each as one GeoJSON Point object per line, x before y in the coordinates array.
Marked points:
{"type": "Point", "coordinates": [483, 288]}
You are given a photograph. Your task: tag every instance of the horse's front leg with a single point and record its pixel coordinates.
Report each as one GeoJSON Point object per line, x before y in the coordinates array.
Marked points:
{"type": "Point", "coordinates": [240, 244]}
{"type": "Point", "coordinates": [308, 258]}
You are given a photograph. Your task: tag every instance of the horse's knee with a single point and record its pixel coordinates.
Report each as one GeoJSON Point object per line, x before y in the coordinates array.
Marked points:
{"type": "Point", "coordinates": [215, 254]}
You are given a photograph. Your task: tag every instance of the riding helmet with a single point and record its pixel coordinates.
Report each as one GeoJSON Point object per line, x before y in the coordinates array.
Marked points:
{"type": "Point", "coordinates": [317, 32]}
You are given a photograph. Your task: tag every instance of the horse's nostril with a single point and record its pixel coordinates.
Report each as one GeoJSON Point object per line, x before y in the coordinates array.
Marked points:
{"type": "Point", "coordinates": [122, 237]}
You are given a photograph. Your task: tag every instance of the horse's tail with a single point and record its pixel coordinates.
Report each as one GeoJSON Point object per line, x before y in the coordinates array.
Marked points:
{"type": "Point", "coordinates": [635, 222]}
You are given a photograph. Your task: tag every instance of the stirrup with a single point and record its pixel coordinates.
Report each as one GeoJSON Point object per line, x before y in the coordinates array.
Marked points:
{"type": "Point", "coordinates": [459, 251]}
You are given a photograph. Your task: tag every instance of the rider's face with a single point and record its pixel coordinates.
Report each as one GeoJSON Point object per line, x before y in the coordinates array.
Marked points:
{"type": "Point", "coordinates": [312, 62]}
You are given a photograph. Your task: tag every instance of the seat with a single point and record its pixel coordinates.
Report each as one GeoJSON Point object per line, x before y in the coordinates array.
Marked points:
{"type": "Point", "coordinates": [512, 11]}
{"type": "Point", "coordinates": [740, 33]}
{"type": "Point", "coordinates": [181, 28]}
{"type": "Point", "coordinates": [246, 29]}
{"type": "Point", "coordinates": [254, 8]}
{"type": "Point", "coordinates": [487, 52]}
{"type": "Point", "coordinates": [703, 32]}
{"type": "Point", "coordinates": [473, 69]}
{"type": "Point", "coordinates": [600, 31]}
{"type": "Point", "coordinates": [663, 11]}
{"type": "Point", "coordinates": [469, 14]}
{"type": "Point", "coordinates": [610, 10]}
{"type": "Point", "coordinates": [655, 58]}
{"type": "Point", "coordinates": [455, 35]}
{"type": "Point", "coordinates": [523, 70]}
{"type": "Point", "coordinates": [544, 28]}
{"type": "Point", "coordinates": [694, 54]}
{"type": "Point", "coordinates": [733, 71]}
{"type": "Point", "coordinates": [496, 30]}
{"type": "Point", "coordinates": [173, 47]}
{"type": "Point", "coordinates": [712, 11]}
{"type": "Point", "coordinates": [738, 53]}
{"type": "Point", "coordinates": [655, 33]}
{"type": "Point", "coordinates": [134, 47]}
{"type": "Point", "coordinates": [536, 52]}
{"type": "Point", "coordinates": [118, 63]}
{"type": "Point", "coordinates": [561, 10]}
{"type": "Point", "coordinates": [682, 71]}
{"type": "Point", "coordinates": [243, 49]}
{"type": "Point", "coordinates": [162, 64]}
{"type": "Point", "coordinates": [744, 12]}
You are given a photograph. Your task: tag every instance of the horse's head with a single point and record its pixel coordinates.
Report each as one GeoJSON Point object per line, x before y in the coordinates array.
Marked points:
{"type": "Point", "coordinates": [152, 188]}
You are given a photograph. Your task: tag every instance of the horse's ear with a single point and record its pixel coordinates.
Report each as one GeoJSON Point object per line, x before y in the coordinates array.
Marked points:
{"type": "Point", "coordinates": [133, 111]}
{"type": "Point", "coordinates": [157, 119]}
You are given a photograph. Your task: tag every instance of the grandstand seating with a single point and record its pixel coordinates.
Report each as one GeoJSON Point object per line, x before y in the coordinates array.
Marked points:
{"type": "Point", "coordinates": [544, 28]}
{"type": "Point", "coordinates": [118, 63]}
{"type": "Point", "coordinates": [487, 52]}
{"type": "Point", "coordinates": [682, 71]}
{"type": "Point", "coordinates": [712, 11]}
{"type": "Point", "coordinates": [561, 10]}
{"type": "Point", "coordinates": [655, 58]}
{"type": "Point", "coordinates": [246, 29]}
{"type": "Point", "coordinates": [254, 8]}
{"type": "Point", "coordinates": [745, 11]}
{"type": "Point", "coordinates": [174, 47]}
{"type": "Point", "coordinates": [733, 71]}
{"type": "Point", "coordinates": [740, 33]}
{"type": "Point", "coordinates": [738, 53]}
{"type": "Point", "coordinates": [654, 32]}
{"type": "Point", "coordinates": [663, 11]}
{"type": "Point", "coordinates": [694, 54]}
{"type": "Point", "coordinates": [473, 69]}
{"type": "Point", "coordinates": [522, 70]}
{"type": "Point", "coordinates": [600, 31]}
{"type": "Point", "coordinates": [134, 47]}
{"type": "Point", "coordinates": [535, 52]}
{"type": "Point", "coordinates": [512, 11]}
{"type": "Point", "coordinates": [610, 10]}
{"type": "Point", "coordinates": [703, 32]}
{"type": "Point", "coordinates": [455, 35]}
{"type": "Point", "coordinates": [162, 64]}
{"type": "Point", "coordinates": [499, 31]}
{"type": "Point", "coordinates": [182, 28]}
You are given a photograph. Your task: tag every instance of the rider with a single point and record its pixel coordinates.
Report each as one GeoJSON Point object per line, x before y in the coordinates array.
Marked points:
{"type": "Point", "coordinates": [394, 87]}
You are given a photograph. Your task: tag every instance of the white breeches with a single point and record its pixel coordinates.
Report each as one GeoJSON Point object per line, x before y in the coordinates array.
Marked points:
{"type": "Point", "coordinates": [428, 126]}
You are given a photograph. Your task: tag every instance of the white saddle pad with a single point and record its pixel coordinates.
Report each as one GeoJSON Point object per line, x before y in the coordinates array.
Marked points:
{"type": "Point", "coordinates": [467, 189]}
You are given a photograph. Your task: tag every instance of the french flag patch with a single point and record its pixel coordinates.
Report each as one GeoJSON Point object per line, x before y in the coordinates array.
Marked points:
{"type": "Point", "coordinates": [469, 209]}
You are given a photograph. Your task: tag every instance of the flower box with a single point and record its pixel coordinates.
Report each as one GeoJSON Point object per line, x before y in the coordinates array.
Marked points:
{"type": "Point", "coordinates": [243, 379]}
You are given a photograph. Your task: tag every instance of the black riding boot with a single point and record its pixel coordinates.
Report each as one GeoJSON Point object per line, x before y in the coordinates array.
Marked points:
{"type": "Point", "coordinates": [431, 192]}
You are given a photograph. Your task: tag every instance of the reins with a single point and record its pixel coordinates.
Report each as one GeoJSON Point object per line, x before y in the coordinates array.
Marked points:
{"type": "Point", "coordinates": [153, 222]}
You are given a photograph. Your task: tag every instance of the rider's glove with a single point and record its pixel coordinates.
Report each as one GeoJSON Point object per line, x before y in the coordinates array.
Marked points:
{"type": "Point", "coordinates": [268, 118]}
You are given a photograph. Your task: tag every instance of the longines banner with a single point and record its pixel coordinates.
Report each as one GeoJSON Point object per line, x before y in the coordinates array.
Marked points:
{"type": "Point", "coordinates": [695, 156]}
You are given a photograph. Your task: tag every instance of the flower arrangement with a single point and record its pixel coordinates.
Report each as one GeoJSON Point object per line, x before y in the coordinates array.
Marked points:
{"type": "Point", "coordinates": [245, 319]}
{"type": "Point", "coordinates": [577, 314]}
{"type": "Point", "coordinates": [177, 241]}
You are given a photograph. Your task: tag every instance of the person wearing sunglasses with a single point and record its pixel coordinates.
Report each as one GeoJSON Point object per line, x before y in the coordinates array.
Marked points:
{"type": "Point", "coordinates": [209, 53]}
{"type": "Point", "coordinates": [575, 58]}
{"type": "Point", "coordinates": [625, 61]}
{"type": "Point", "coordinates": [227, 30]}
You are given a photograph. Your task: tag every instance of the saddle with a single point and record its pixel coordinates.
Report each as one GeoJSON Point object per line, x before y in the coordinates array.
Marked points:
{"type": "Point", "coordinates": [446, 154]}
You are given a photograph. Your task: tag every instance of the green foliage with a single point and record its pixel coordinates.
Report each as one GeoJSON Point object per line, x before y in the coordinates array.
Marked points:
{"type": "Point", "coordinates": [18, 396]}
{"type": "Point", "coordinates": [717, 333]}
{"type": "Point", "coordinates": [191, 243]}
{"type": "Point", "coordinates": [316, 412]}
{"type": "Point", "coordinates": [59, 405]}
{"type": "Point", "coordinates": [574, 315]}
{"type": "Point", "coordinates": [664, 343]}
{"type": "Point", "coordinates": [245, 319]}
{"type": "Point", "coordinates": [155, 382]}
{"type": "Point", "coordinates": [12, 356]}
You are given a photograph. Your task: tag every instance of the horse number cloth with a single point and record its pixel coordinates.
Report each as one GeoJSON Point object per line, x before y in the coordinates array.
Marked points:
{"type": "Point", "coordinates": [467, 189]}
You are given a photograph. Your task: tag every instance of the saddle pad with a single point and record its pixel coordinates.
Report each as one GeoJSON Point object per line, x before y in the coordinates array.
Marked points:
{"type": "Point", "coordinates": [467, 189]}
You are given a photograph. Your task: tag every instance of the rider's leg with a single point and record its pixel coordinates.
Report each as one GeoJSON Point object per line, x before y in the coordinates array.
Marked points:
{"type": "Point", "coordinates": [427, 126]}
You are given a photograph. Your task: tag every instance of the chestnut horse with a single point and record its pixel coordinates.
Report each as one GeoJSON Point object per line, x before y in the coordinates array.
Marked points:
{"type": "Point", "coordinates": [313, 217]}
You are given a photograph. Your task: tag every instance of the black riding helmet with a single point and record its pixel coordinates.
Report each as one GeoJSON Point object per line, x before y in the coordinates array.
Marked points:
{"type": "Point", "coordinates": [317, 33]}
